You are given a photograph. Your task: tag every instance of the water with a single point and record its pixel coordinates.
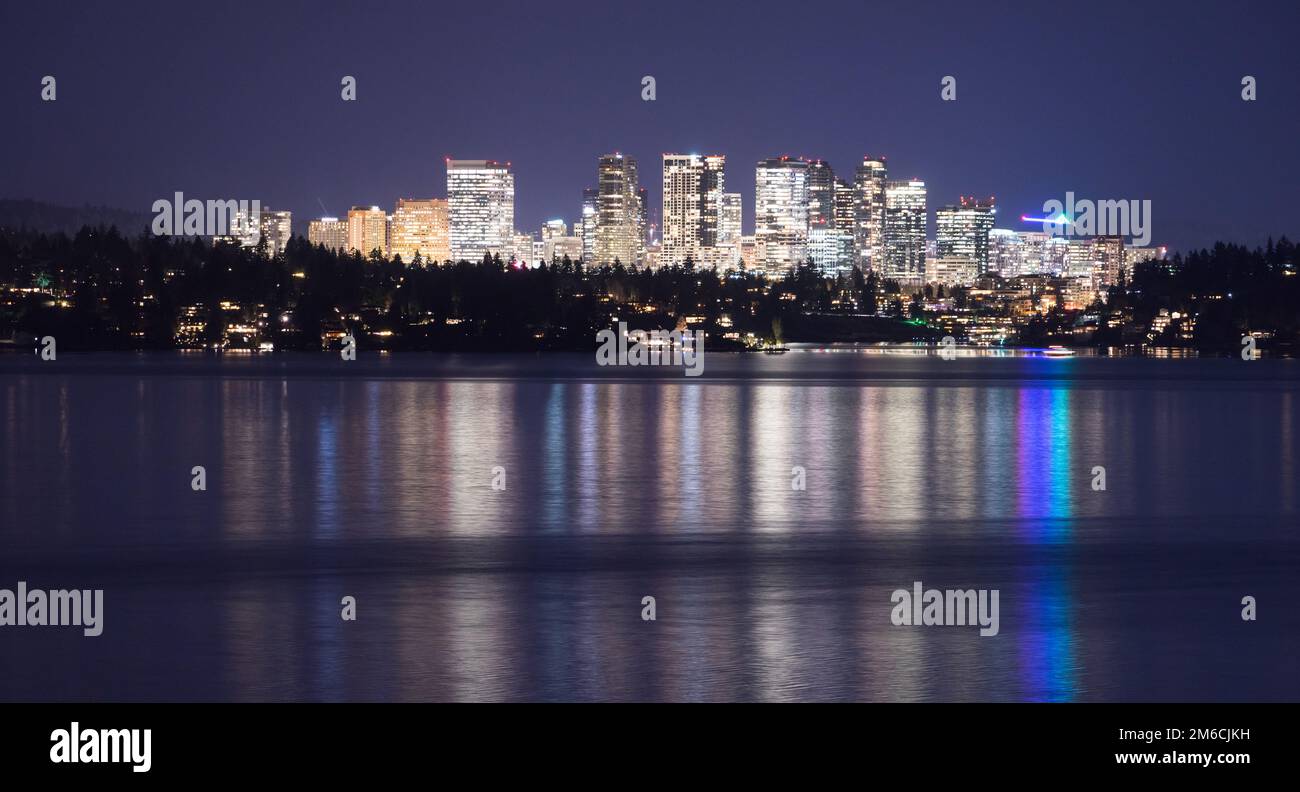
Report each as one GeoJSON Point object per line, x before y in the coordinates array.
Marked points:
{"type": "Point", "coordinates": [374, 479]}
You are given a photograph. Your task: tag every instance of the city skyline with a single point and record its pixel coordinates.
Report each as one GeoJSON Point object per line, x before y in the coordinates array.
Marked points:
{"type": "Point", "coordinates": [803, 213]}
{"type": "Point", "coordinates": [1021, 126]}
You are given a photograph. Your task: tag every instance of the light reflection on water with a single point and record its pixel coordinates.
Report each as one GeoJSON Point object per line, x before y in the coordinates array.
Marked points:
{"type": "Point", "coordinates": [379, 487]}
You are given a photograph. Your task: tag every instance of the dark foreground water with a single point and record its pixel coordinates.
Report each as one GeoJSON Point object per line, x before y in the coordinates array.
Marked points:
{"type": "Point", "coordinates": [374, 479]}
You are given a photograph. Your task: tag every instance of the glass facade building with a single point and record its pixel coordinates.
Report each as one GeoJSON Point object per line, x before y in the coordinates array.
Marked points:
{"type": "Point", "coordinates": [781, 214]}
{"type": "Point", "coordinates": [904, 237]}
{"type": "Point", "coordinates": [481, 208]}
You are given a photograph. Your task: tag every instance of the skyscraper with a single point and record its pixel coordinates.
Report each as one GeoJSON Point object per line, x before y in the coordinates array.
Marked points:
{"type": "Point", "coordinates": [590, 220]}
{"type": "Point", "coordinates": [962, 230]}
{"type": "Point", "coordinates": [904, 237]}
{"type": "Point", "coordinates": [844, 214]}
{"type": "Point", "coordinates": [821, 194]}
{"type": "Point", "coordinates": [642, 219]}
{"type": "Point", "coordinates": [869, 209]}
{"type": "Point", "coordinates": [781, 214]}
{"type": "Point", "coordinates": [729, 220]}
{"type": "Point", "coordinates": [421, 225]}
{"type": "Point", "coordinates": [277, 227]}
{"type": "Point", "coordinates": [481, 208]}
{"type": "Point", "coordinates": [693, 198]}
{"type": "Point", "coordinates": [618, 213]}
{"type": "Point", "coordinates": [367, 230]}
{"type": "Point", "coordinates": [831, 249]}
{"type": "Point", "coordinates": [328, 231]}
{"type": "Point", "coordinates": [1108, 261]}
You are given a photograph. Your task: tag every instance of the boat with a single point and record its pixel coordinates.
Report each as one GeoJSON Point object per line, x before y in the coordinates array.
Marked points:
{"type": "Point", "coordinates": [1058, 351]}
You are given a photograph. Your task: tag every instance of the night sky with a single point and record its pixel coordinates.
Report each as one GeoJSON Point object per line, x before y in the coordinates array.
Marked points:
{"type": "Point", "coordinates": [241, 100]}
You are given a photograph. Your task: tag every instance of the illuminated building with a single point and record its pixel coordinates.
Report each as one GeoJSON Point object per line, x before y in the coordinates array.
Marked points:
{"type": "Point", "coordinates": [481, 208]}
{"type": "Point", "coordinates": [1140, 255]}
{"type": "Point", "coordinates": [642, 223]}
{"type": "Point", "coordinates": [618, 212]}
{"type": "Point", "coordinates": [749, 257]}
{"type": "Point", "coordinates": [524, 250]}
{"type": "Point", "coordinates": [328, 231]}
{"type": "Point", "coordinates": [276, 226]}
{"type": "Point", "coordinates": [1107, 261]}
{"type": "Point", "coordinates": [557, 242]}
{"type": "Point", "coordinates": [951, 270]}
{"type": "Point", "coordinates": [962, 231]}
{"type": "Point", "coordinates": [781, 214]}
{"type": "Point", "coordinates": [904, 237]}
{"type": "Point", "coordinates": [831, 249]}
{"type": "Point", "coordinates": [693, 206]}
{"type": "Point", "coordinates": [729, 219]}
{"type": "Point", "coordinates": [420, 225]}
{"type": "Point", "coordinates": [590, 219]}
{"type": "Point", "coordinates": [1079, 252]}
{"type": "Point", "coordinates": [869, 212]}
{"type": "Point", "coordinates": [844, 213]}
{"type": "Point", "coordinates": [367, 230]}
{"type": "Point", "coordinates": [821, 194]}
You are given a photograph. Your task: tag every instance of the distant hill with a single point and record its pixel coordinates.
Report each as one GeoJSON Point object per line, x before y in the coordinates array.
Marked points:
{"type": "Point", "coordinates": [49, 218]}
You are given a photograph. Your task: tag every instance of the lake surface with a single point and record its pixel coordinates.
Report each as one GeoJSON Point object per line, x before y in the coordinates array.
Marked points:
{"type": "Point", "coordinates": [374, 479]}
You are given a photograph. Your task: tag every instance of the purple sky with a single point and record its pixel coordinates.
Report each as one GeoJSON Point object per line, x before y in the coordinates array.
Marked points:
{"type": "Point", "coordinates": [241, 100]}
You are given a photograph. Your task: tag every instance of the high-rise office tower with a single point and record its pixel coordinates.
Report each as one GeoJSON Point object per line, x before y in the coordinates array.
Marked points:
{"type": "Point", "coordinates": [781, 213]}
{"type": "Point", "coordinates": [844, 213]}
{"type": "Point", "coordinates": [869, 211]}
{"type": "Point", "coordinates": [831, 249]}
{"type": "Point", "coordinates": [481, 208]}
{"type": "Point", "coordinates": [693, 196]}
{"type": "Point", "coordinates": [328, 231]}
{"type": "Point", "coordinates": [904, 237]}
{"type": "Point", "coordinates": [1108, 261]}
{"type": "Point", "coordinates": [618, 214]}
{"type": "Point", "coordinates": [729, 219]}
{"type": "Point", "coordinates": [829, 246]}
{"type": "Point", "coordinates": [821, 194]}
{"type": "Point", "coordinates": [421, 225]}
{"type": "Point", "coordinates": [642, 223]}
{"type": "Point", "coordinates": [962, 230]}
{"type": "Point", "coordinates": [590, 221]}
{"type": "Point", "coordinates": [844, 217]}
{"type": "Point", "coordinates": [727, 255]}
{"type": "Point", "coordinates": [367, 230]}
